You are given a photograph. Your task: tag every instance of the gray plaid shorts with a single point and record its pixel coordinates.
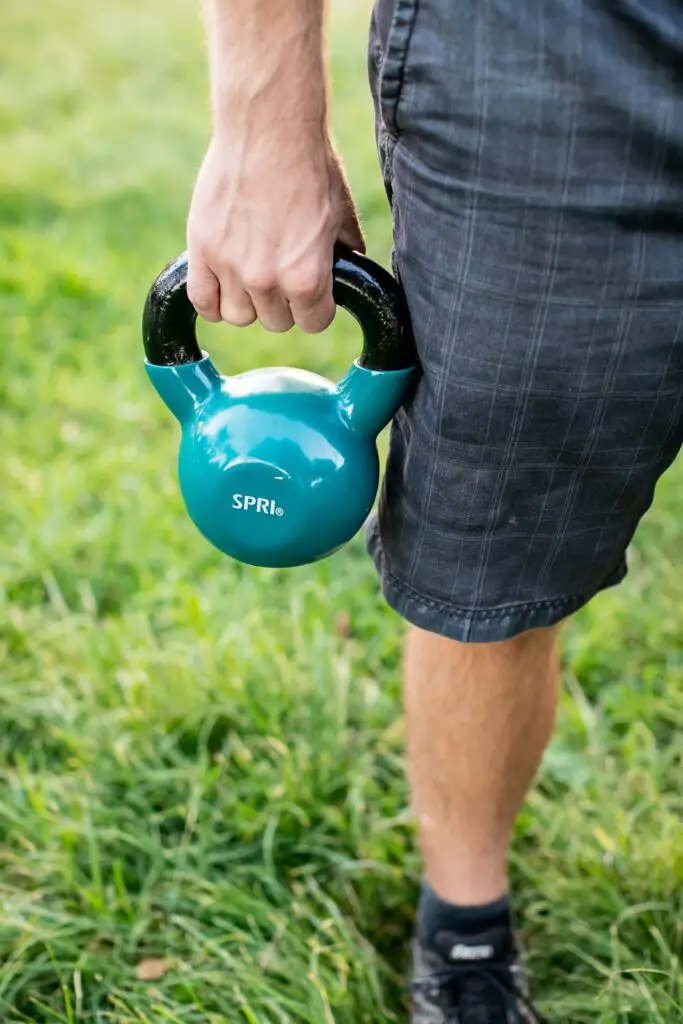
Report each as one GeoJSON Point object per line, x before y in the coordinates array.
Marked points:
{"type": "Point", "coordinates": [533, 154]}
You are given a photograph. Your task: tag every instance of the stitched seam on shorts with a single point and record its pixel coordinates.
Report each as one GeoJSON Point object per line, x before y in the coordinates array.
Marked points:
{"type": "Point", "coordinates": [531, 457]}
{"type": "Point", "coordinates": [394, 63]}
{"type": "Point", "coordinates": [508, 609]}
{"type": "Point", "coordinates": [442, 527]}
{"type": "Point", "coordinates": [531, 296]}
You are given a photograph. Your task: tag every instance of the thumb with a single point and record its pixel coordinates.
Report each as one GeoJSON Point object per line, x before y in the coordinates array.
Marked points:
{"type": "Point", "coordinates": [203, 289]}
{"type": "Point", "coordinates": [350, 231]}
{"type": "Point", "coordinates": [351, 234]}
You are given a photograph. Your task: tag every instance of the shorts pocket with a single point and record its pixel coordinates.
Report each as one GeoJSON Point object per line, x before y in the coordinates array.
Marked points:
{"type": "Point", "coordinates": [393, 62]}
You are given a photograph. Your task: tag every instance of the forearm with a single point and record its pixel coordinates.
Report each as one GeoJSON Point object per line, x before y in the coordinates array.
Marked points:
{"type": "Point", "coordinates": [271, 199]}
{"type": "Point", "coordinates": [267, 61]}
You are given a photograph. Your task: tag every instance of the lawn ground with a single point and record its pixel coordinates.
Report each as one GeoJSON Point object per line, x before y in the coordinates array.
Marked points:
{"type": "Point", "coordinates": [202, 805]}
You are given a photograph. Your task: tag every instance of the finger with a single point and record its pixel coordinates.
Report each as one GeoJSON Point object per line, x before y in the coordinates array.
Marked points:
{"type": "Point", "coordinates": [272, 310]}
{"type": "Point", "coordinates": [236, 306]}
{"type": "Point", "coordinates": [203, 290]}
{"type": "Point", "coordinates": [310, 300]}
{"type": "Point", "coordinates": [261, 284]}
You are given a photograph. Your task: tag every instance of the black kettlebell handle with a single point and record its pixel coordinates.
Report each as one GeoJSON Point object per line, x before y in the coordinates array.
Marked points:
{"type": "Point", "coordinates": [360, 285]}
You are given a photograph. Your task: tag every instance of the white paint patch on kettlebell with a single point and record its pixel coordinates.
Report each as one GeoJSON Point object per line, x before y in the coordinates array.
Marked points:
{"type": "Point", "coordinates": [267, 506]}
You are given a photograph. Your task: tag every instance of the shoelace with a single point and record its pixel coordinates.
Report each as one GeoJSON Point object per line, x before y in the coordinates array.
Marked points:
{"type": "Point", "coordinates": [453, 979]}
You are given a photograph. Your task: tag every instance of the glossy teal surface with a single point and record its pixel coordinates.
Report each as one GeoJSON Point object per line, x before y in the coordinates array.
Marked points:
{"type": "Point", "coordinates": [279, 467]}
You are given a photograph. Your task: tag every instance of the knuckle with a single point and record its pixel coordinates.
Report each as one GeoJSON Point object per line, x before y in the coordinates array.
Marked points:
{"type": "Point", "coordinates": [306, 284]}
{"type": "Point", "coordinates": [258, 279]}
{"type": "Point", "coordinates": [201, 249]}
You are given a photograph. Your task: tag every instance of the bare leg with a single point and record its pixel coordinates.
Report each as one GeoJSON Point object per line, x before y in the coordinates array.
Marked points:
{"type": "Point", "coordinates": [479, 719]}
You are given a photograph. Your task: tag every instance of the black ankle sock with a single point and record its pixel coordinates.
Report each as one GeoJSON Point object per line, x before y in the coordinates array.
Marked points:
{"type": "Point", "coordinates": [435, 915]}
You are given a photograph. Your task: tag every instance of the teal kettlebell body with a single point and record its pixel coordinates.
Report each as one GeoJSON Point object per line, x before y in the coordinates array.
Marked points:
{"type": "Point", "coordinates": [279, 466]}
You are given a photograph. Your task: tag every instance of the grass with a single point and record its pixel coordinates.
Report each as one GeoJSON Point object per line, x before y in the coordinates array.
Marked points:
{"type": "Point", "coordinates": [203, 813]}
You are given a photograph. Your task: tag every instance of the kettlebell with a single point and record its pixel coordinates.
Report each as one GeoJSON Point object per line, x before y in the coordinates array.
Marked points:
{"type": "Point", "coordinates": [279, 466]}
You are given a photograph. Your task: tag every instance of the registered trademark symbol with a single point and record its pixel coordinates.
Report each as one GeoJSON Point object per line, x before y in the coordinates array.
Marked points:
{"type": "Point", "coordinates": [279, 511]}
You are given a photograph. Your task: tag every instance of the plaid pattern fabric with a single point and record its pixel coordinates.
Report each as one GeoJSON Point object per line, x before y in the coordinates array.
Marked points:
{"type": "Point", "coordinates": [533, 153]}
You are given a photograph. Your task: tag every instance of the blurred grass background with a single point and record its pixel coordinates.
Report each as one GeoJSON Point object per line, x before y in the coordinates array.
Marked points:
{"type": "Point", "coordinates": [202, 805]}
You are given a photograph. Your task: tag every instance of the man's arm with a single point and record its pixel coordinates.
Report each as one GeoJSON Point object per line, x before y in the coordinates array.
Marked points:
{"type": "Point", "coordinates": [271, 198]}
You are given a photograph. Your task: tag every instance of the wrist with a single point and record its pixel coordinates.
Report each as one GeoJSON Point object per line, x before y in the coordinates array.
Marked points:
{"type": "Point", "coordinates": [282, 101]}
{"type": "Point", "coordinates": [261, 124]}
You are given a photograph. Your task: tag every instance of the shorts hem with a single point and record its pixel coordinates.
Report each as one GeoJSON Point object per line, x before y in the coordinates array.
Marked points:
{"type": "Point", "coordinates": [480, 625]}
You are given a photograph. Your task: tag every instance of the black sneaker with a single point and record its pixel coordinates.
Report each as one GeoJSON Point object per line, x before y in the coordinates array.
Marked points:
{"type": "Point", "coordinates": [477, 979]}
